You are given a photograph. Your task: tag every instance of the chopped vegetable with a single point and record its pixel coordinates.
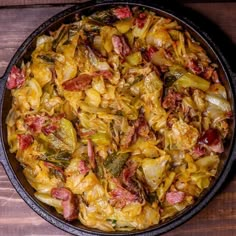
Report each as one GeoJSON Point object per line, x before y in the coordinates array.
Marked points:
{"type": "Point", "coordinates": [115, 162]}
{"type": "Point", "coordinates": [134, 59]}
{"type": "Point", "coordinates": [124, 26]}
{"type": "Point", "coordinates": [119, 118]}
{"type": "Point", "coordinates": [154, 170]}
{"type": "Point", "coordinates": [193, 81]}
{"type": "Point", "coordinates": [61, 159]}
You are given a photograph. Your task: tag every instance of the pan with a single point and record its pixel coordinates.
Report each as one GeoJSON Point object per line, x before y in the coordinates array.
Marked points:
{"type": "Point", "coordinates": [200, 33]}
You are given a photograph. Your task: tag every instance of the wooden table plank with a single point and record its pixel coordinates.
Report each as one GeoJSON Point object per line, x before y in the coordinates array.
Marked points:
{"type": "Point", "coordinates": [5, 3]}
{"type": "Point", "coordinates": [16, 218]}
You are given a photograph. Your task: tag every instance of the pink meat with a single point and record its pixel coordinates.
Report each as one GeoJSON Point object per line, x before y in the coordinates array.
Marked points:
{"type": "Point", "coordinates": [106, 74]}
{"type": "Point", "coordinates": [171, 100]}
{"type": "Point", "coordinates": [208, 72]}
{"type": "Point", "coordinates": [25, 140]}
{"type": "Point", "coordinates": [194, 67]}
{"type": "Point", "coordinates": [61, 194]}
{"type": "Point", "coordinates": [151, 50]}
{"type": "Point", "coordinates": [141, 20]}
{"type": "Point", "coordinates": [199, 150]}
{"type": "Point", "coordinates": [78, 83]}
{"type": "Point", "coordinates": [213, 140]}
{"type": "Point", "coordinates": [175, 197]}
{"type": "Point", "coordinates": [69, 204]}
{"type": "Point", "coordinates": [35, 123]}
{"type": "Point", "coordinates": [83, 168]}
{"type": "Point", "coordinates": [43, 123]}
{"type": "Point", "coordinates": [49, 129]}
{"type": "Point", "coordinates": [69, 210]}
{"type": "Point", "coordinates": [16, 78]}
{"type": "Point", "coordinates": [91, 154]}
{"type": "Point", "coordinates": [120, 197]}
{"type": "Point", "coordinates": [122, 12]}
{"type": "Point", "coordinates": [120, 45]}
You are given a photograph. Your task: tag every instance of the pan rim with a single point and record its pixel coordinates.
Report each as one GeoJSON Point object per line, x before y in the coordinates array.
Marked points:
{"type": "Point", "coordinates": [176, 221]}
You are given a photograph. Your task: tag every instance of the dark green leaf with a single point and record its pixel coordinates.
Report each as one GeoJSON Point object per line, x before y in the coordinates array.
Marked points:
{"type": "Point", "coordinates": [61, 159]}
{"type": "Point", "coordinates": [60, 36]}
{"type": "Point", "coordinates": [169, 79]}
{"type": "Point", "coordinates": [57, 174]}
{"type": "Point", "coordinates": [114, 163]}
{"type": "Point", "coordinates": [99, 167]}
{"type": "Point", "coordinates": [151, 197]}
{"type": "Point", "coordinates": [46, 58]}
{"type": "Point", "coordinates": [103, 17]}
{"type": "Point", "coordinates": [71, 32]}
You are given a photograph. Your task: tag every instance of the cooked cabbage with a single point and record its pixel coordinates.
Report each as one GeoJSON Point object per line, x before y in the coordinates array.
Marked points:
{"type": "Point", "coordinates": [117, 119]}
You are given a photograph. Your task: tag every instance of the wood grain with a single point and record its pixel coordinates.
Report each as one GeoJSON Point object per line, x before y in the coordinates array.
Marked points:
{"type": "Point", "coordinates": [7, 3]}
{"type": "Point", "coordinates": [17, 219]}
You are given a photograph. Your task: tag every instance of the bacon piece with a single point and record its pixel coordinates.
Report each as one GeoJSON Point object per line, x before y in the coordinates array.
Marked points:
{"type": "Point", "coordinates": [78, 83]}
{"type": "Point", "coordinates": [35, 123]}
{"type": "Point", "coordinates": [208, 72]}
{"type": "Point", "coordinates": [120, 197]}
{"type": "Point", "coordinates": [131, 183]}
{"type": "Point", "coordinates": [70, 210]}
{"type": "Point", "coordinates": [128, 172]}
{"type": "Point", "coordinates": [122, 12]}
{"type": "Point", "coordinates": [49, 129]}
{"type": "Point", "coordinates": [212, 139]}
{"type": "Point", "coordinates": [25, 140]}
{"type": "Point", "coordinates": [175, 197]}
{"type": "Point", "coordinates": [194, 67]}
{"type": "Point", "coordinates": [16, 78]}
{"type": "Point", "coordinates": [171, 100]}
{"type": "Point", "coordinates": [117, 44]}
{"type": "Point", "coordinates": [91, 154]}
{"type": "Point", "coordinates": [215, 77]}
{"type": "Point", "coordinates": [83, 168]}
{"type": "Point", "coordinates": [120, 45]}
{"type": "Point", "coordinates": [61, 194]}
{"type": "Point", "coordinates": [38, 124]}
{"type": "Point", "coordinates": [151, 50]}
{"type": "Point", "coordinates": [142, 127]}
{"type": "Point", "coordinates": [129, 137]}
{"type": "Point", "coordinates": [69, 203]}
{"type": "Point", "coordinates": [199, 150]}
{"type": "Point", "coordinates": [217, 147]}
{"type": "Point", "coordinates": [171, 119]}
{"type": "Point", "coordinates": [85, 134]}
{"type": "Point", "coordinates": [141, 20]}
{"type": "Point", "coordinates": [107, 74]}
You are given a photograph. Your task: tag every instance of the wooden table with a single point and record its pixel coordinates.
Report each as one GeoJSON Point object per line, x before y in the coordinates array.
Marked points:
{"type": "Point", "coordinates": [16, 218]}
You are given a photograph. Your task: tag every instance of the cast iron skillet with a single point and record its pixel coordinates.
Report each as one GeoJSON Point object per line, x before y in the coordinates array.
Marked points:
{"type": "Point", "coordinates": [14, 170]}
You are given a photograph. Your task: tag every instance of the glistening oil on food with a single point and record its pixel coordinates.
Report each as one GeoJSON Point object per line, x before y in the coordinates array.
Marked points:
{"type": "Point", "coordinates": [118, 119]}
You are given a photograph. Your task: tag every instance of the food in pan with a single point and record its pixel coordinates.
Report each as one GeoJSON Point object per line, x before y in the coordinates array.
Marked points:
{"type": "Point", "coordinates": [118, 119]}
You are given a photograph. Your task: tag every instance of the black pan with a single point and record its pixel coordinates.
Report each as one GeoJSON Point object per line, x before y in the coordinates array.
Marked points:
{"type": "Point", "coordinates": [201, 34]}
